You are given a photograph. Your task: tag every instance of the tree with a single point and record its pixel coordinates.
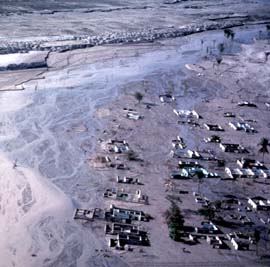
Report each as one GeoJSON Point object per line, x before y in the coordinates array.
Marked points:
{"type": "Point", "coordinates": [221, 48]}
{"type": "Point", "coordinates": [175, 221]}
{"type": "Point", "coordinates": [229, 33]}
{"type": "Point", "coordinates": [202, 41]}
{"type": "Point", "coordinates": [268, 31]}
{"type": "Point", "coordinates": [214, 43]}
{"type": "Point", "coordinates": [260, 34]}
{"type": "Point", "coordinates": [208, 211]}
{"type": "Point", "coordinates": [219, 60]}
{"type": "Point", "coordinates": [200, 176]}
{"type": "Point", "coordinates": [138, 96]}
{"type": "Point", "coordinates": [257, 237]}
{"type": "Point", "coordinates": [264, 143]}
{"type": "Point", "coordinates": [232, 35]}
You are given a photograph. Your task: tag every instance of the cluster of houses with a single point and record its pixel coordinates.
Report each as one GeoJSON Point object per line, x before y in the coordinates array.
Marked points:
{"type": "Point", "coordinates": [230, 211]}
{"type": "Point", "coordinates": [233, 210]}
{"type": "Point", "coordinates": [189, 169]}
{"type": "Point", "coordinates": [123, 226]}
{"type": "Point", "coordinates": [119, 225]}
{"type": "Point", "coordinates": [248, 168]}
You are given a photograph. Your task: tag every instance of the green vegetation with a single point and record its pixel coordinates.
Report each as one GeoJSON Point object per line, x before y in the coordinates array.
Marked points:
{"type": "Point", "coordinates": [175, 221]}
{"type": "Point", "coordinates": [229, 33]}
{"type": "Point", "coordinates": [219, 60]}
{"type": "Point", "coordinates": [221, 47]}
{"type": "Point", "coordinates": [257, 237]}
{"type": "Point", "coordinates": [139, 96]}
{"type": "Point", "coordinates": [209, 211]}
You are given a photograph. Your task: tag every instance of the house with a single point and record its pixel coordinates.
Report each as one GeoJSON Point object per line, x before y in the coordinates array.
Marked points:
{"type": "Point", "coordinates": [201, 200]}
{"type": "Point", "coordinates": [83, 214]}
{"type": "Point", "coordinates": [129, 110]}
{"type": "Point", "coordinates": [213, 127]}
{"type": "Point", "coordinates": [229, 115]}
{"type": "Point", "coordinates": [177, 152]}
{"type": "Point", "coordinates": [124, 239]}
{"type": "Point", "coordinates": [179, 143]}
{"type": "Point", "coordinates": [242, 126]}
{"type": "Point", "coordinates": [182, 174]}
{"type": "Point", "coordinates": [262, 173]}
{"type": "Point", "coordinates": [188, 164]}
{"type": "Point", "coordinates": [127, 180]}
{"type": "Point", "coordinates": [216, 242]}
{"type": "Point", "coordinates": [245, 220]}
{"type": "Point", "coordinates": [120, 146]}
{"type": "Point", "coordinates": [191, 170]}
{"type": "Point", "coordinates": [89, 215]}
{"type": "Point", "coordinates": [193, 154]}
{"type": "Point", "coordinates": [133, 115]}
{"type": "Point", "coordinates": [121, 195]}
{"type": "Point", "coordinates": [117, 228]}
{"type": "Point", "coordinates": [251, 164]}
{"type": "Point", "coordinates": [233, 148]}
{"type": "Point", "coordinates": [240, 241]}
{"type": "Point", "coordinates": [207, 228]}
{"type": "Point", "coordinates": [259, 203]}
{"type": "Point", "coordinates": [187, 114]}
{"type": "Point", "coordinates": [123, 213]}
{"type": "Point", "coordinates": [246, 104]}
{"type": "Point", "coordinates": [119, 166]}
{"type": "Point", "coordinates": [240, 244]}
{"type": "Point", "coordinates": [239, 173]}
{"type": "Point", "coordinates": [166, 98]}
{"type": "Point", "coordinates": [116, 146]}
{"type": "Point", "coordinates": [213, 139]}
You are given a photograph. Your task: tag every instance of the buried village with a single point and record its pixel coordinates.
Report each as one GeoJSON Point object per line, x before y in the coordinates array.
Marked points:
{"type": "Point", "coordinates": [196, 172]}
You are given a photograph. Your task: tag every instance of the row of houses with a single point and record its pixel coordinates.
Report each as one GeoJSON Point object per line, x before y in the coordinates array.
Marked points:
{"type": "Point", "coordinates": [246, 173]}
{"type": "Point", "coordinates": [122, 228]}
{"type": "Point", "coordinates": [122, 225]}
{"type": "Point", "coordinates": [119, 223]}
{"type": "Point", "coordinates": [248, 168]}
{"type": "Point", "coordinates": [233, 210]}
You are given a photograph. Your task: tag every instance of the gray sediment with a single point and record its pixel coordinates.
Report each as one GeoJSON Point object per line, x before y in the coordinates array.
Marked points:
{"type": "Point", "coordinates": [85, 41]}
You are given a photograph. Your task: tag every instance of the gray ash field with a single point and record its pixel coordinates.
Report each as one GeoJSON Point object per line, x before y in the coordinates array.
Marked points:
{"type": "Point", "coordinates": [75, 75]}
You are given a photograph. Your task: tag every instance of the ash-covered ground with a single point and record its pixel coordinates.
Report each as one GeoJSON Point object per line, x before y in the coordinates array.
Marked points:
{"type": "Point", "coordinates": [31, 25]}
{"type": "Point", "coordinates": [61, 63]}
